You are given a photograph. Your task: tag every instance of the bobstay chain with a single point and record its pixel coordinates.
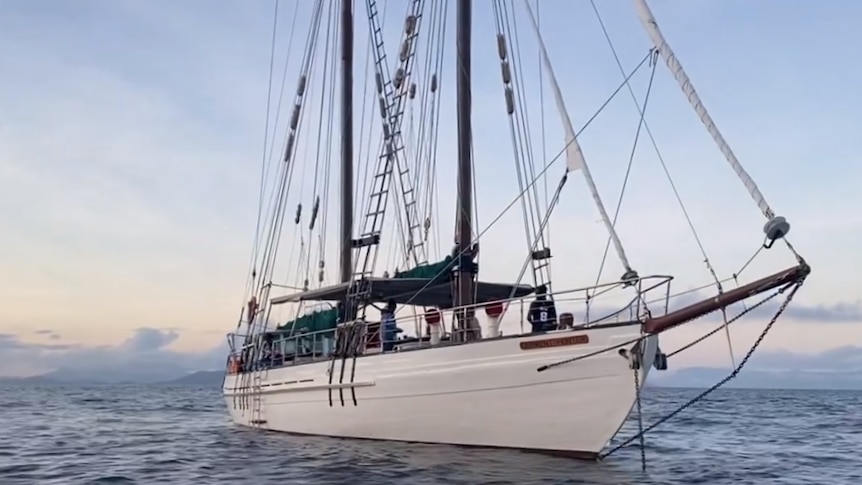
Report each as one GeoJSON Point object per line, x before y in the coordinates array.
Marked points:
{"type": "Point", "coordinates": [794, 287]}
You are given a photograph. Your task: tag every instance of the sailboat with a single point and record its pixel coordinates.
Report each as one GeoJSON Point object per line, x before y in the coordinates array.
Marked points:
{"type": "Point", "coordinates": [407, 354]}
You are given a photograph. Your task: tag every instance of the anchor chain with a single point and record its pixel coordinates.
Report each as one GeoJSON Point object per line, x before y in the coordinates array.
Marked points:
{"type": "Point", "coordinates": [640, 412]}
{"type": "Point", "coordinates": [734, 373]}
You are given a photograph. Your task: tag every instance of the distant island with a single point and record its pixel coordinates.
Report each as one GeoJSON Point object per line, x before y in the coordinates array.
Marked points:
{"type": "Point", "coordinates": [690, 377]}
{"type": "Point", "coordinates": [837, 368]}
{"type": "Point", "coordinates": [205, 378]}
{"type": "Point", "coordinates": [702, 377]}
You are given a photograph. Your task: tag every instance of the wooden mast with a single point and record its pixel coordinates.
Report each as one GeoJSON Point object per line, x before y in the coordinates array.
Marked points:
{"type": "Point", "coordinates": [464, 278]}
{"type": "Point", "coordinates": [346, 263]}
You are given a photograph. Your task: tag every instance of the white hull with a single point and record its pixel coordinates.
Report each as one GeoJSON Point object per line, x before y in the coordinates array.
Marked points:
{"type": "Point", "coordinates": [480, 394]}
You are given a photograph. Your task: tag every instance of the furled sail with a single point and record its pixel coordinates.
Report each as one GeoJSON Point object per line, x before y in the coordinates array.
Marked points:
{"type": "Point", "coordinates": [574, 156]}
{"type": "Point", "coordinates": [651, 26]}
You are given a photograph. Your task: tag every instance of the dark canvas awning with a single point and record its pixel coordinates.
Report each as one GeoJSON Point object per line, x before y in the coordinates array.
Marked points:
{"type": "Point", "coordinates": [411, 291]}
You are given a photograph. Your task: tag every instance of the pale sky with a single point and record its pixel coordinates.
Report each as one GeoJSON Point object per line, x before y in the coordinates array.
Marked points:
{"type": "Point", "coordinates": [131, 140]}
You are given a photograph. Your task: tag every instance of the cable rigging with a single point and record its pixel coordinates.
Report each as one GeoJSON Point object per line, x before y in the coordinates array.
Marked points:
{"type": "Point", "coordinates": [287, 168]}
{"type": "Point", "coordinates": [276, 216]}
{"type": "Point", "coordinates": [424, 156]}
{"type": "Point", "coordinates": [391, 96]}
{"type": "Point", "coordinates": [284, 179]}
{"type": "Point", "coordinates": [520, 135]}
{"type": "Point", "coordinates": [252, 273]}
{"type": "Point", "coordinates": [275, 213]}
{"type": "Point", "coordinates": [544, 170]}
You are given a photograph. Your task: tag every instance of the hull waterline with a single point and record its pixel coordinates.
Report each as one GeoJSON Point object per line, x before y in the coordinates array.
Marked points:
{"type": "Point", "coordinates": [485, 394]}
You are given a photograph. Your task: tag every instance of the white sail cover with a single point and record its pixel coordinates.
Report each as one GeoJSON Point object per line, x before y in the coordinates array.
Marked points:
{"type": "Point", "coordinates": [574, 156]}
{"type": "Point", "coordinates": [676, 69]}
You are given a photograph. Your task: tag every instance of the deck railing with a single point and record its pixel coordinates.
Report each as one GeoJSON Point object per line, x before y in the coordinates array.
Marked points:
{"type": "Point", "coordinates": [268, 349]}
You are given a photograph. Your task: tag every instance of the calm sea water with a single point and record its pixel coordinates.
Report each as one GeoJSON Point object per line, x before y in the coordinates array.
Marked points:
{"type": "Point", "coordinates": [147, 435]}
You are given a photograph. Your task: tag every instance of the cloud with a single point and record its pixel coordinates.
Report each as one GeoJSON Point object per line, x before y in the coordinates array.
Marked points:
{"type": "Point", "coordinates": [838, 312]}
{"type": "Point", "coordinates": [144, 356]}
{"type": "Point", "coordinates": [127, 177]}
{"type": "Point", "coordinates": [50, 334]}
{"type": "Point", "coordinates": [850, 312]}
{"type": "Point", "coordinates": [842, 359]}
{"type": "Point", "coordinates": [838, 368]}
{"type": "Point", "coordinates": [10, 343]}
{"type": "Point", "coordinates": [149, 339]}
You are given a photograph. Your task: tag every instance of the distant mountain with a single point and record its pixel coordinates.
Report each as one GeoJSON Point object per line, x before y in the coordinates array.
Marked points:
{"type": "Point", "coordinates": [111, 375]}
{"type": "Point", "coordinates": [690, 377]}
{"type": "Point", "coordinates": [839, 368]}
{"type": "Point", "coordinates": [204, 378]}
{"type": "Point", "coordinates": [43, 379]}
{"type": "Point", "coordinates": [55, 377]}
{"type": "Point", "coordinates": [701, 377]}
{"type": "Point", "coordinates": [104, 375]}
{"type": "Point", "coordinates": [207, 378]}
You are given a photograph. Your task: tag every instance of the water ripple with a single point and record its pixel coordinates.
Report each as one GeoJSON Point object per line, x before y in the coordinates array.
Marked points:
{"type": "Point", "coordinates": [147, 435]}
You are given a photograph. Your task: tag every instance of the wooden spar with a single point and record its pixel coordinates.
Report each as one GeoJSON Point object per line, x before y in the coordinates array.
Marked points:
{"type": "Point", "coordinates": [465, 285]}
{"type": "Point", "coordinates": [724, 300]}
{"type": "Point", "coordinates": [346, 248]}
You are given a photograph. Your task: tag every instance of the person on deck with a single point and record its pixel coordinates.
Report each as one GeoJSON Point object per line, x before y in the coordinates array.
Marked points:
{"type": "Point", "coordinates": [266, 354]}
{"type": "Point", "coordinates": [543, 313]}
{"type": "Point", "coordinates": [389, 327]}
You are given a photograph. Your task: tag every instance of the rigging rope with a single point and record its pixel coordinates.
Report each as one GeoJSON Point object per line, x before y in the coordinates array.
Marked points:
{"type": "Point", "coordinates": [286, 176]}
{"type": "Point", "coordinates": [706, 259]}
{"type": "Point", "coordinates": [391, 94]}
{"type": "Point", "coordinates": [652, 138]}
{"type": "Point", "coordinates": [628, 167]}
{"type": "Point", "coordinates": [283, 84]}
{"type": "Point", "coordinates": [265, 263]}
{"type": "Point", "coordinates": [414, 206]}
{"type": "Point", "coordinates": [324, 138]}
{"type": "Point", "coordinates": [252, 270]}
{"type": "Point", "coordinates": [547, 166]}
{"type": "Point", "coordinates": [513, 94]}
{"type": "Point", "coordinates": [263, 164]}
{"type": "Point", "coordinates": [542, 130]}
{"type": "Point", "coordinates": [575, 156]}
{"type": "Point", "coordinates": [642, 337]}
{"type": "Point", "coordinates": [532, 247]}
{"type": "Point", "coordinates": [434, 100]}
{"type": "Point", "coordinates": [794, 287]}
{"type": "Point", "coordinates": [279, 195]}
{"type": "Point", "coordinates": [529, 162]}
{"type": "Point", "coordinates": [363, 142]}
{"type": "Point", "coordinates": [673, 64]}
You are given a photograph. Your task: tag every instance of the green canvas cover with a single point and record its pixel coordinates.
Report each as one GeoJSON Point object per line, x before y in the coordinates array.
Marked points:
{"type": "Point", "coordinates": [312, 322]}
{"type": "Point", "coordinates": [429, 271]}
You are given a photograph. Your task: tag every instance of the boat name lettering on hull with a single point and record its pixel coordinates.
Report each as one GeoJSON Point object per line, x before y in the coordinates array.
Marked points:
{"type": "Point", "coordinates": [555, 342]}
